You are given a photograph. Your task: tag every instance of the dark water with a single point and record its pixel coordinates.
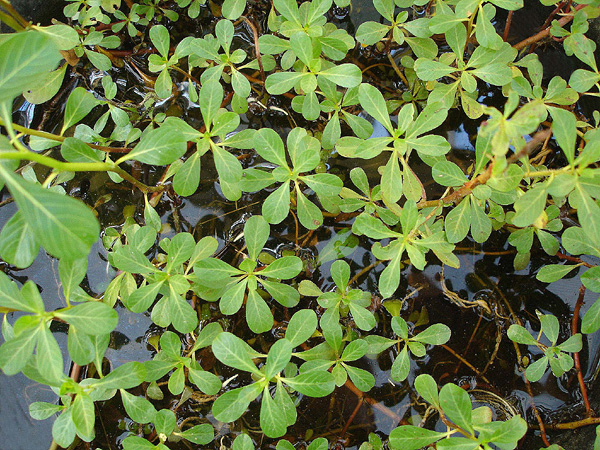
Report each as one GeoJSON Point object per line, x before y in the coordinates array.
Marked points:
{"type": "Point", "coordinates": [486, 276]}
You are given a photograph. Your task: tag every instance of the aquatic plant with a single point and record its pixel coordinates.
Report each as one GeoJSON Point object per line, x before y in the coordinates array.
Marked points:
{"type": "Point", "coordinates": [443, 55]}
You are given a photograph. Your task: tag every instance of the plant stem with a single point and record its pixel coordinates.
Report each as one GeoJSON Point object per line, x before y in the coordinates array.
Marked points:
{"type": "Point", "coordinates": [482, 178]}
{"type": "Point", "coordinates": [574, 327]}
{"type": "Point", "coordinates": [576, 424]}
{"type": "Point", "coordinates": [53, 445]}
{"type": "Point", "coordinates": [56, 137]}
{"type": "Point", "coordinates": [14, 13]}
{"type": "Point", "coordinates": [546, 32]}
{"type": "Point", "coordinates": [78, 167]}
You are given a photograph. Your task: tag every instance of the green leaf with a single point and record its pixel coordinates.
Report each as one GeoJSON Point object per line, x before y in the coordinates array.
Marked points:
{"type": "Point", "coordinates": [75, 150]}
{"type": "Point", "coordinates": [18, 243]}
{"type": "Point", "coordinates": [242, 442]}
{"type": "Point", "coordinates": [458, 221]}
{"type": "Point", "coordinates": [564, 129]}
{"type": "Point", "coordinates": [447, 173]}
{"type": "Point", "coordinates": [429, 70]}
{"type": "Point", "coordinates": [232, 351]}
{"type": "Point", "coordinates": [369, 33]}
{"type": "Point", "coordinates": [345, 75]}
{"type": "Point", "coordinates": [272, 422]}
{"type": "Point", "coordinates": [71, 274]}
{"type": "Point", "coordinates": [481, 225]}
{"type": "Point", "coordinates": [232, 9]}
{"type": "Point", "coordinates": [457, 406]}
{"type": "Point", "coordinates": [15, 353]}
{"type": "Point", "coordinates": [256, 233]}
{"type": "Point", "coordinates": [281, 82]}
{"type": "Point", "coordinates": [49, 360]}
{"type": "Point", "coordinates": [137, 443]}
{"type": "Point", "coordinates": [591, 279]}
{"type": "Point", "coordinates": [137, 408]}
{"type": "Point", "coordinates": [25, 59]}
{"type": "Point", "coordinates": [95, 318]}
{"type": "Point", "coordinates": [436, 334]}
{"type": "Point", "coordinates": [314, 384]}
{"type": "Point", "coordinates": [43, 410]}
{"type": "Point", "coordinates": [63, 429]}
{"type": "Point", "coordinates": [289, 9]}
{"type": "Point", "coordinates": [201, 434]}
{"type": "Point", "coordinates": [355, 350]}
{"type": "Point", "coordinates": [11, 298]}
{"type": "Point", "coordinates": [165, 421]}
{"type": "Point", "coordinates": [79, 105]}
{"type": "Point", "coordinates": [258, 314]}
{"type": "Point", "coordinates": [82, 414]}
{"type": "Point", "coordinates": [126, 376]}
{"type": "Point", "coordinates": [301, 327]}
{"type": "Point", "coordinates": [232, 404]}
{"type": "Point", "coordinates": [362, 379]}
{"type": "Point", "coordinates": [80, 346]}
{"type": "Point", "coordinates": [530, 206]}
{"type": "Point", "coordinates": [409, 437]}
{"type": "Point", "coordinates": [401, 365]}
{"type": "Point", "coordinates": [427, 388]}
{"type": "Point", "coordinates": [573, 344]}
{"type": "Point", "coordinates": [590, 322]}
{"type": "Point", "coordinates": [536, 370]}
{"type": "Point", "coordinates": [554, 272]}
{"type": "Point", "coordinates": [66, 226]}
{"type": "Point", "coordinates": [187, 178]}
{"type": "Point", "coordinates": [520, 335]}
{"type": "Point", "coordinates": [373, 103]}
{"type": "Point", "coordinates": [160, 146]}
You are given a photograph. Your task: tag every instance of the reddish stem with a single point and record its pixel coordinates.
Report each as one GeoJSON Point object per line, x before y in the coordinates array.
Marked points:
{"type": "Point", "coordinates": [574, 327]}
{"type": "Point", "coordinates": [545, 32]}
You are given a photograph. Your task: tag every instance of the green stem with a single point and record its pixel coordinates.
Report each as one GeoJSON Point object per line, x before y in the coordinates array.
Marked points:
{"type": "Point", "coordinates": [78, 167]}
{"type": "Point", "coordinates": [56, 137]}
{"type": "Point", "coordinates": [10, 21]}
{"type": "Point", "coordinates": [14, 13]}
{"type": "Point", "coordinates": [53, 445]}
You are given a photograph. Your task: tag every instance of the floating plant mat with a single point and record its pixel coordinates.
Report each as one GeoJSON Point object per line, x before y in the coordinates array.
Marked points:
{"type": "Point", "coordinates": [355, 240]}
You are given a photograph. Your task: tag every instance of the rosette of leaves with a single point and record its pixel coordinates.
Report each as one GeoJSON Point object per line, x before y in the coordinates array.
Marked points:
{"type": "Point", "coordinates": [368, 199]}
{"type": "Point", "coordinates": [334, 104]}
{"type": "Point", "coordinates": [468, 428]}
{"type": "Point", "coordinates": [166, 428]}
{"type": "Point", "coordinates": [237, 285]}
{"type": "Point", "coordinates": [77, 411]}
{"type": "Point", "coordinates": [575, 42]}
{"type": "Point", "coordinates": [226, 65]}
{"type": "Point", "coordinates": [554, 355]}
{"type": "Point", "coordinates": [130, 20]}
{"type": "Point", "coordinates": [489, 65]}
{"type": "Point", "coordinates": [167, 143]}
{"type": "Point", "coordinates": [336, 355]}
{"type": "Point", "coordinates": [278, 410]}
{"type": "Point", "coordinates": [502, 130]}
{"type": "Point", "coordinates": [404, 137]}
{"type": "Point", "coordinates": [29, 345]}
{"type": "Point", "coordinates": [171, 284]}
{"type": "Point", "coordinates": [304, 153]}
{"type": "Point", "coordinates": [162, 62]}
{"type": "Point", "coordinates": [340, 302]}
{"type": "Point", "coordinates": [436, 334]}
{"type": "Point", "coordinates": [523, 239]}
{"type": "Point", "coordinates": [419, 235]}
{"type": "Point", "coordinates": [369, 33]}
{"type": "Point", "coordinates": [169, 358]}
